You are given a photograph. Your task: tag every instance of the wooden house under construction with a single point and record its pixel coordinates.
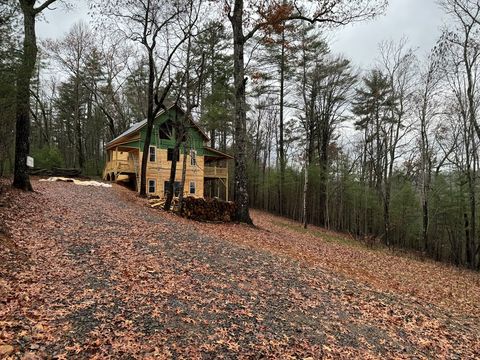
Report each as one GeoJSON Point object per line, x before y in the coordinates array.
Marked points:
{"type": "Point", "coordinates": [207, 170]}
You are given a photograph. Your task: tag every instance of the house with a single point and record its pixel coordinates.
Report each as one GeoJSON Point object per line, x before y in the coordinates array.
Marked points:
{"type": "Point", "coordinates": [207, 171]}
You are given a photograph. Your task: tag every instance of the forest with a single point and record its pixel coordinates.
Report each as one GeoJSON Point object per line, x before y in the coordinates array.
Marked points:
{"type": "Point", "coordinates": [386, 154]}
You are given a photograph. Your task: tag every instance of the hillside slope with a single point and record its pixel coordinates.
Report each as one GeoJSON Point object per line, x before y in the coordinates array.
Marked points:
{"type": "Point", "coordinates": [95, 272]}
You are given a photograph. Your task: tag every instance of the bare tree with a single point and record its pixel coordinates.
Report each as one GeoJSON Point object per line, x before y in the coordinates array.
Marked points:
{"type": "Point", "coordinates": [398, 62]}
{"type": "Point", "coordinates": [73, 52]}
{"type": "Point", "coordinates": [426, 109]}
{"type": "Point", "coordinates": [144, 22]}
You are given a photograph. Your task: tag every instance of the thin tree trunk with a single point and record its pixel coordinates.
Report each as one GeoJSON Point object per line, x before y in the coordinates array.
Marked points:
{"type": "Point", "coordinates": [150, 120]}
{"type": "Point", "coordinates": [184, 175]}
{"type": "Point", "coordinates": [281, 144]}
{"type": "Point", "coordinates": [171, 182]}
{"type": "Point", "coordinates": [305, 193]}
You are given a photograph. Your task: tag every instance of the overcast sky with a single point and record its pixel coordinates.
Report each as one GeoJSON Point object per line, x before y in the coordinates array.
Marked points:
{"type": "Point", "coordinates": [418, 20]}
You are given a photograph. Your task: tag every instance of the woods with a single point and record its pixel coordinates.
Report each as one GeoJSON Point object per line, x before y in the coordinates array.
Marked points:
{"type": "Point", "coordinates": [271, 179]}
{"type": "Point", "coordinates": [387, 151]}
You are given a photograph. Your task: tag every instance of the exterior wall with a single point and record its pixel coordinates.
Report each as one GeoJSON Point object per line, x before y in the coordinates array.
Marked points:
{"type": "Point", "coordinates": [160, 172]}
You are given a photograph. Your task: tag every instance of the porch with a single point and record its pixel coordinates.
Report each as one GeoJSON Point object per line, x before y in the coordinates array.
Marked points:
{"type": "Point", "coordinates": [216, 178]}
{"type": "Point", "coordinates": [120, 162]}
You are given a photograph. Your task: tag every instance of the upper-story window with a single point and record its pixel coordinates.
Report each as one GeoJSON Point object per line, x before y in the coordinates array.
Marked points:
{"type": "Point", "coordinates": [165, 131]}
{"type": "Point", "coordinates": [193, 157]}
{"type": "Point", "coordinates": [153, 153]}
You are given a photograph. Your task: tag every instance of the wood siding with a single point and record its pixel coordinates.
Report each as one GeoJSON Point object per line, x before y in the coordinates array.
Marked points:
{"type": "Point", "coordinates": [160, 172]}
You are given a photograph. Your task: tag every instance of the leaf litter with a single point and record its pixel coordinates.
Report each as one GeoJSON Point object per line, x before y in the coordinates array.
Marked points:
{"type": "Point", "coordinates": [95, 273]}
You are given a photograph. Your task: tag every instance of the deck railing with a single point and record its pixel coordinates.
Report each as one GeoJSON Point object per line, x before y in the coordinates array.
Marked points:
{"type": "Point", "coordinates": [120, 166]}
{"type": "Point", "coordinates": [214, 171]}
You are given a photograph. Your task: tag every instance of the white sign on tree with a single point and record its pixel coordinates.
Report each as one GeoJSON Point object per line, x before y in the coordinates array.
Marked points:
{"type": "Point", "coordinates": [30, 161]}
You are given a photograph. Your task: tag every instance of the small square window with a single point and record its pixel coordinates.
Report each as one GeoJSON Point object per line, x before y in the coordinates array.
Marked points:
{"type": "Point", "coordinates": [193, 157]}
{"type": "Point", "coordinates": [192, 187]}
{"type": "Point", "coordinates": [151, 186]}
{"type": "Point", "coordinates": [153, 153]}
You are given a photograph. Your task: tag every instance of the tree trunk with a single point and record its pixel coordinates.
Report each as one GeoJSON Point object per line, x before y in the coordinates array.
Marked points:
{"type": "Point", "coordinates": [150, 121]}
{"type": "Point", "coordinates": [184, 176]}
{"type": "Point", "coordinates": [305, 193]}
{"type": "Point", "coordinates": [171, 182]}
{"type": "Point", "coordinates": [21, 179]}
{"type": "Point", "coordinates": [281, 144]}
{"type": "Point", "coordinates": [324, 141]}
{"type": "Point", "coordinates": [426, 176]}
{"type": "Point", "coordinates": [240, 184]}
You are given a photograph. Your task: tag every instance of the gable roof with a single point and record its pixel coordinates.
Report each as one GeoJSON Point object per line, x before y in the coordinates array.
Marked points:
{"type": "Point", "coordinates": [139, 125]}
{"type": "Point", "coordinates": [211, 152]}
{"type": "Point", "coordinates": [132, 129]}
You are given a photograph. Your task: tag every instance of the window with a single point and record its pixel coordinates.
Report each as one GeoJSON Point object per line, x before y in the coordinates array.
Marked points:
{"type": "Point", "coordinates": [192, 187]}
{"type": "Point", "coordinates": [151, 186]}
{"type": "Point", "coordinates": [170, 155]}
{"type": "Point", "coordinates": [153, 153]}
{"type": "Point", "coordinates": [165, 131]}
{"type": "Point", "coordinates": [193, 157]}
{"type": "Point", "coordinates": [176, 188]}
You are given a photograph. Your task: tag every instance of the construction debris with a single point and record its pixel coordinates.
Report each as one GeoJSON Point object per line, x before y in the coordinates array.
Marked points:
{"type": "Point", "coordinates": [77, 182]}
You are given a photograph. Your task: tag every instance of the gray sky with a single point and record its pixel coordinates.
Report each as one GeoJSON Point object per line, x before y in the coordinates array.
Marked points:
{"type": "Point", "coordinates": [418, 20]}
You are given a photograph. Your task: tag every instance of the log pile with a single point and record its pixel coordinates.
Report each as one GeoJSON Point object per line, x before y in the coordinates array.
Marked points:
{"type": "Point", "coordinates": [208, 210]}
{"type": "Point", "coordinates": [60, 172]}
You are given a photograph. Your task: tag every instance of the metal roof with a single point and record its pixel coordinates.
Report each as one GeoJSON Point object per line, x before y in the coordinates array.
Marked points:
{"type": "Point", "coordinates": [130, 130]}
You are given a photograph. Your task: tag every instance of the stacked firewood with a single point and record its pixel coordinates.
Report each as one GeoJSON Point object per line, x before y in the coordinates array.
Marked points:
{"type": "Point", "coordinates": [208, 210]}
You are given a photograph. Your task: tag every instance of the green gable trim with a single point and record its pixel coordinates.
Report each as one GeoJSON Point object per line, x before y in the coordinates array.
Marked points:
{"type": "Point", "coordinates": [195, 137]}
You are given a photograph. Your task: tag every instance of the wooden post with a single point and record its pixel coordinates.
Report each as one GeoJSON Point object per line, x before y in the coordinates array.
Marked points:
{"type": "Point", "coordinates": [226, 187]}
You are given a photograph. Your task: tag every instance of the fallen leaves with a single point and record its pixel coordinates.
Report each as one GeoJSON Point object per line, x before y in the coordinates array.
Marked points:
{"type": "Point", "coordinates": [107, 276]}
{"type": "Point", "coordinates": [428, 282]}
{"type": "Point", "coordinates": [6, 350]}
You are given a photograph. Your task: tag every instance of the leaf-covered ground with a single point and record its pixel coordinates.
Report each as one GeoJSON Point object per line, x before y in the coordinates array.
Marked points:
{"type": "Point", "coordinates": [94, 273]}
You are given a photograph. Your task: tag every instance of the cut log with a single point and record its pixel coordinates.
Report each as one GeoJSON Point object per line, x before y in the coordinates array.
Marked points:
{"type": "Point", "coordinates": [157, 204]}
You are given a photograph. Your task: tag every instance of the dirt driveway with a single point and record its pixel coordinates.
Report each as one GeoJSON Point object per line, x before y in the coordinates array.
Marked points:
{"type": "Point", "coordinates": [97, 274]}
